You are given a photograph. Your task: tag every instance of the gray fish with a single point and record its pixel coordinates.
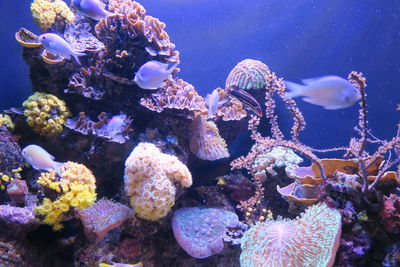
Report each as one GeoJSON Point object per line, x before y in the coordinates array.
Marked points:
{"type": "Point", "coordinates": [57, 45]}
{"type": "Point", "coordinates": [331, 92]}
{"type": "Point", "coordinates": [152, 74]}
{"type": "Point", "coordinates": [248, 100]}
{"type": "Point", "coordinates": [91, 8]}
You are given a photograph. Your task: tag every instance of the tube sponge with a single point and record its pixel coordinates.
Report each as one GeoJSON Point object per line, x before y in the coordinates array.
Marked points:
{"type": "Point", "coordinates": [46, 113]}
{"type": "Point", "coordinates": [149, 180]}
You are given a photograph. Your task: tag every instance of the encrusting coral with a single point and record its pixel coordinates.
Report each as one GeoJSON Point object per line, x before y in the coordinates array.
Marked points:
{"type": "Point", "coordinates": [46, 113]}
{"type": "Point", "coordinates": [48, 12]}
{"type": "Point", "coordinates": [76, 188]}
{"type": "Point", "coordinates": [310, 240]}
{"type": "Point", "coordinates": [149, 180]}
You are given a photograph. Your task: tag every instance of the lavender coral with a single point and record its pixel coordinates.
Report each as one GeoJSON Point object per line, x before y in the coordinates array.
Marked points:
{"type": "Point", "coordinates": [310, 240]}
{"type": "Point", "coordinates": [201, 231]}
{"type": "Point", "coordinates": [149, 180]}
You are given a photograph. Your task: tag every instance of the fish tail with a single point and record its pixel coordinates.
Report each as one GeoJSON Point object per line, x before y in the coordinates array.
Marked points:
{"type": "Point", "coordinates": [76, 56]}
{"type": "Point", "coordinates": [58, 166]}
{"type": "Point", "coordinates": [294, 88]}
{"type": "Point", "coordinates": [173, 67]}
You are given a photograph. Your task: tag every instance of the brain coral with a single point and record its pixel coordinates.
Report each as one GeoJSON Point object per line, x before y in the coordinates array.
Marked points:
{"type": "Point", "coordinates": [76, 188]}
{"type": "Point", "coordinates": [201, 231]}
{"type": "Point", "coordinates": [309, 240]}
{"type": "Point", "coordinates": [45, 113]}
{"type": "Point", "coordinates": [46, 12]}
{"type": "Point", "coordinates": [248, 74]}
{"type": "Point", "coordinates": [149, 180]}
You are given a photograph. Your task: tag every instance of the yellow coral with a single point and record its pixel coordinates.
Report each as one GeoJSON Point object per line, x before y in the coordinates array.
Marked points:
{"type": "Point", "coordinates": [4, 178]}
{"type": "Point", "coordinates": [46, 12]}
{"type": "Point", "coordinates": [149, 180]}
{"type": "Point", "coordinates": [75, 189]}
{"type": "Point", "coordinates": [45, 113]}
{"type": "Point", "coordinates": [6, 121]}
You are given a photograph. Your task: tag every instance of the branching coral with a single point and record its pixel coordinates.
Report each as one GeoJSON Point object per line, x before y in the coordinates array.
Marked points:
{"type": "Point", "coordinates": [74, 189]}
{"type": "Point", "coordinates": [206, 143]}
{"type": "Point", "coordinates": [149, 180]}
{"type": "Point", "coordinates": [310, 240]}
{"type": "Point", "coordinates": [103, 216]}
{"type": "Point", "coordinates": [47, 12]}
{"type": "Point", "coordinates": [45, 113]}
{"type": "Point", "coordinates": [201, 231]}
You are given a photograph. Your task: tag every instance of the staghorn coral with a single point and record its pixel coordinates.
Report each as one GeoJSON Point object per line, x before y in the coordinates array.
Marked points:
{"type": "Point", "coordinates": [176, 94]}
{"type": "Point", "coordinates": [45, 113]}
{"type": "Point", "coordinates": [103, 216]}
{"type": "Point", "coordinates": [206, 143]}
{"type": "Point", "coordinates": [278, 157]}
{"type": "Point", "coordinates": [46, 13]}
{"type": "Point", "coordinates": [201, 231]}
{"type": "Point", "coordinates": [310, 240]}
{"type": "Point", "coordinates": [149, 180]}
{"type": "Point", "coordinates": [74, 189]}
{"type": "Point", "coordinates": [248, 74]}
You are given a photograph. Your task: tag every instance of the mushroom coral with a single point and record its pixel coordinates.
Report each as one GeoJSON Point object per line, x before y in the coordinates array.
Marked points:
{"type": "Point", "coordinates": [310, 240]}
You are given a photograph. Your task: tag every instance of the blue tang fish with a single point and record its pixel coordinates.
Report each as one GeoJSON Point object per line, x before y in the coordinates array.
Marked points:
{"type": "Point", "coordinates": [91, 8]}
{"type": "Point", "coordinates": [331, 92]}
{"type": "Point", "coordinates": [152, 74]}
{"type": "Point", "coordinates": [57, 45]}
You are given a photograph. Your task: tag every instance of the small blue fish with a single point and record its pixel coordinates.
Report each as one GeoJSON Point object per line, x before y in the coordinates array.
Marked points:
{"type": "Point", "coordinates": [152, 74]}
{"type": "Point", "coordinates": [213, 102]}
{"type": "Point", "coordinates": [40, 159]}
{"type": "Point", "coordinates": [91, 8]}
{"type": "Point", "coordinates": [331, 92]}
{"type": "Point", "coordinates": [57, 45]}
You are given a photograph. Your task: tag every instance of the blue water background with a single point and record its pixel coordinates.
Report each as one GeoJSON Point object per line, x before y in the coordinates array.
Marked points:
{"type": "Point", "coordinates": [295, 38]}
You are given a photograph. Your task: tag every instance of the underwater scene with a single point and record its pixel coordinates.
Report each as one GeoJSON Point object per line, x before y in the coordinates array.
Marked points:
{"type": "Point", "coordinates": [173, 133]}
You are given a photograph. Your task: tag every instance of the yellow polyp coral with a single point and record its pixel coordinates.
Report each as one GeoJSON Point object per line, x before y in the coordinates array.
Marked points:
{"type": "Point", "coordinates": [46, 113]}
{"type": "Point", "coordinates": [5, 121]}
{"type": "Point", "coordinates": [149, 180]}
{"type": "Point", "coordinates": [76, 188]}
{"type": "Point", "coordinates": [46, 12]}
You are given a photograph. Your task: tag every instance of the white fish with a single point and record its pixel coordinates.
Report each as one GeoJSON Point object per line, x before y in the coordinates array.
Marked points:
{"type": "Point", "coordinates": [331, 92]}
{"type": "Point", "coordinates": [213, 102]}
{"type": "Point", "coordinates": [40, 159]}
{"type": "Point", "coordinates": [152, 74]}
{"type": "Point", "coordinates": [57, 45]}
{"type": "Point", "coordinates": [116, 125]}
{"type": "Point", "coordinates": [91, 8]}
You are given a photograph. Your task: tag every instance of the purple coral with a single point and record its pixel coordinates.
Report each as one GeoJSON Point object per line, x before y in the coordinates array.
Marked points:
{"type": "Point", "coordinates": [201, 231]}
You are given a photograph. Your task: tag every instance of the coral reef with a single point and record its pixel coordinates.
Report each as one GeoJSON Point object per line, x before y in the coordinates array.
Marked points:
{"type": "Point", "coordinates": [248, 74]}
{"type": "Point", "coordinates": [74, 189]}
{"type": "Point", "coordinates": [391, 213]}
{"type": "Point", "coordinates": [149, 180]}
{"type": "Point", "coordinates": [311, 240]}
{"type": "Point", "coordinates": [46, 113]}
{"type": "Point", "coordinates": [5, 121]}
{"type": "Point", "coordinates": [46, 13]}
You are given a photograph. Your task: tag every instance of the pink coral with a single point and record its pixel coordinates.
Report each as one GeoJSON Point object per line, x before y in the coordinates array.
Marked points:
{"type": "Point", "coordinates": [103, 216]}
{"type": "Point", "coordinates": [391, 214]}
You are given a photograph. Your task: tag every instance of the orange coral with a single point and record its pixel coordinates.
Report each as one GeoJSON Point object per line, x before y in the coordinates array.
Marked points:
{"type": "Point", "coordinates": [310, 240]}
{"type": "Point", "coordinates": [233, 110]}
{"type": "Point", "coordinates": [206, 142]}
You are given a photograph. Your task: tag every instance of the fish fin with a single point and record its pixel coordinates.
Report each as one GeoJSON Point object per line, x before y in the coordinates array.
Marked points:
{"type": "Point", "coordinates": [76, 55]}
{"type": "Point", "coordinates": [294, 88]}
{"type": "Point", "coordinates": [313, 80]}
{"type": "Point", "coordinates": [57, 168]}
{"type": "Point", "coordinates": [310, 100]}
{"type": "Point", "coordinates": [223, 101]}
{"type": "Point", "coordinates": [332, 107]}
{"type": "Point", "coordinates": [170, 70]}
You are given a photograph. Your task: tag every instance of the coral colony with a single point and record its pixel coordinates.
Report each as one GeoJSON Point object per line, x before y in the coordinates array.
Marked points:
{"type": "Point", "coordinates": [145, 177]}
